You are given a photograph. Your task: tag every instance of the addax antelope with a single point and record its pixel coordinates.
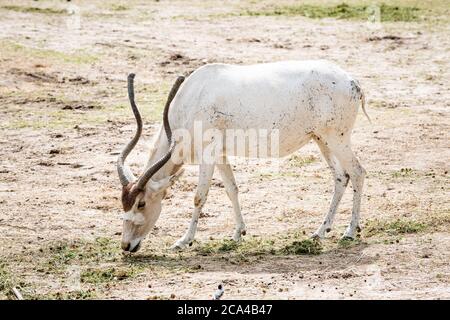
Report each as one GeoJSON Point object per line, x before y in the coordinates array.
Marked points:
{"type": "Point", "coordinates": [301, 100]}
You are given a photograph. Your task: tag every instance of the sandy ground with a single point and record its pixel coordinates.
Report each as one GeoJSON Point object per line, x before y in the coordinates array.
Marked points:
{"type": "Point", "coordinates": [64, 117]}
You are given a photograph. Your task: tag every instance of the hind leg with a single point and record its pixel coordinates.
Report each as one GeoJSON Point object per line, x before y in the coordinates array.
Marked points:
{"type": "Point", "coordinates": [340, 147]}
{"type": "Point", "coordinates": [232, 191]}
{"type": "Point", "coordinates": [340, 183]}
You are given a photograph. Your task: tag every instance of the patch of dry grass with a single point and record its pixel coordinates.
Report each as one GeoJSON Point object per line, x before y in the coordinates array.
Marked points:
{"type": "Point", "coordinates": [291, 244]}
{"type": "Point", "coordinates": [395, 227]}
{"type": "Point", "coordinates": [12, 49]}
{"type": "Point", "coordinates": [26, 9]}
{"type": "Point", "coordinates": [342, 11]}
{"type": "Point", "coordinates": [6, 282]}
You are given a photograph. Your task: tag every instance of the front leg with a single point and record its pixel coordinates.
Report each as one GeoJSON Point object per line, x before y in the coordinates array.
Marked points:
{"type": "Point", "coordinates": [340, 183]}
{"type": "Point", "coordinates": [205, 175]}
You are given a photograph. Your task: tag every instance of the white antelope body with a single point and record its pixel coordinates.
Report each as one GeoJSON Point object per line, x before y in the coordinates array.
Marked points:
{"type": "Point", "coordinates": [302, 100]}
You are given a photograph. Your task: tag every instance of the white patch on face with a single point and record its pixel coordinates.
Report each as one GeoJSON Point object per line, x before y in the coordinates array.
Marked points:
{"type": "Point", "coordinates": [135, 218]}
{"type": "Point", "coordinates": [127, 216]}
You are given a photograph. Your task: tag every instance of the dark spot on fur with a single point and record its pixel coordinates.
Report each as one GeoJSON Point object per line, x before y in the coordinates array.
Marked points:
{"type": "Point", "coordinates": [356, 89]}
{"type": "Point", "coordinates": [328, 230]}
{"type": "Point", "coordinates": [355, 86]}
{"type": "Point", "coordinates": [197, 201]}
{"type": "Point", "coordinates": [243, 232]}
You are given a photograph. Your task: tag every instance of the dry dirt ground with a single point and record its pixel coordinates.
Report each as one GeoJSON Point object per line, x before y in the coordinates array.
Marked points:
{"type": "Point", "coordinates": [64, 116]}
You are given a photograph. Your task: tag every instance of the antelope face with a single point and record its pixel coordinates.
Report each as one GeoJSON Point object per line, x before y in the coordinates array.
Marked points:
{"type": "Point", "coordinates": [142, 210]}
{"type": "Point", "coordinates": [140, 218]}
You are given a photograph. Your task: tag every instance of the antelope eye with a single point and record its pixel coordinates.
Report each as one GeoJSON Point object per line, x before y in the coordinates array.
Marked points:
{"type": "Point", "coordinates": [141, 204]}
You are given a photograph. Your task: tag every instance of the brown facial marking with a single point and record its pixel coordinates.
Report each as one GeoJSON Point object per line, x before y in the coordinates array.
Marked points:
{"type": "Point", "coordinates": [128, 197]}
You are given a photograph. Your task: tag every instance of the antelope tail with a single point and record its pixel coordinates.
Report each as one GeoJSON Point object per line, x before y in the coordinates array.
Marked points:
{"type": "Point", "coordinates": [363, 106]}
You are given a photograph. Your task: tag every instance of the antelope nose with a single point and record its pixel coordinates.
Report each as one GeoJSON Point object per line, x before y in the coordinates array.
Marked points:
{"type": "Point", "coordinates": [136, 247]}
{"type": "Point", "coordinates": [126, 246]}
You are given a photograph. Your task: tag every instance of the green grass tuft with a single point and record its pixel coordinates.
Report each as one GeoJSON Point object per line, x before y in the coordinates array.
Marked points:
{"type": "Point", "coordinates": [217, 247]}
{"type": "Point", "coordinates": [254, 246]}
{"type": "Point", "coordinates": [306, 246]}
{"type": "Point", "coordinates": [399, 226]}
{"type": "Point", "coordinates": [102, 275]}
{"type": "Point", "coordinates": [298, 161]}
{"type": "Point", "coordinates": [248, 247]}
{"type": "Point", "coordinates": [348, 243]}
{"type": "Point", "coordinates": [403, 172]}
{"type": "Point", "coordinates": [81, 252]}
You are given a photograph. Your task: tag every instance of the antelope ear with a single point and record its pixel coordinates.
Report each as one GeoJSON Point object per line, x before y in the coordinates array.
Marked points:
{"type": "Point", "coordinates": [163, 184]}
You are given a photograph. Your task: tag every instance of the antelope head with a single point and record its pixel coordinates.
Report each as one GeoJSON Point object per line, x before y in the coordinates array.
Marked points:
{"type": "Point", "coordinates": [142, 196]}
